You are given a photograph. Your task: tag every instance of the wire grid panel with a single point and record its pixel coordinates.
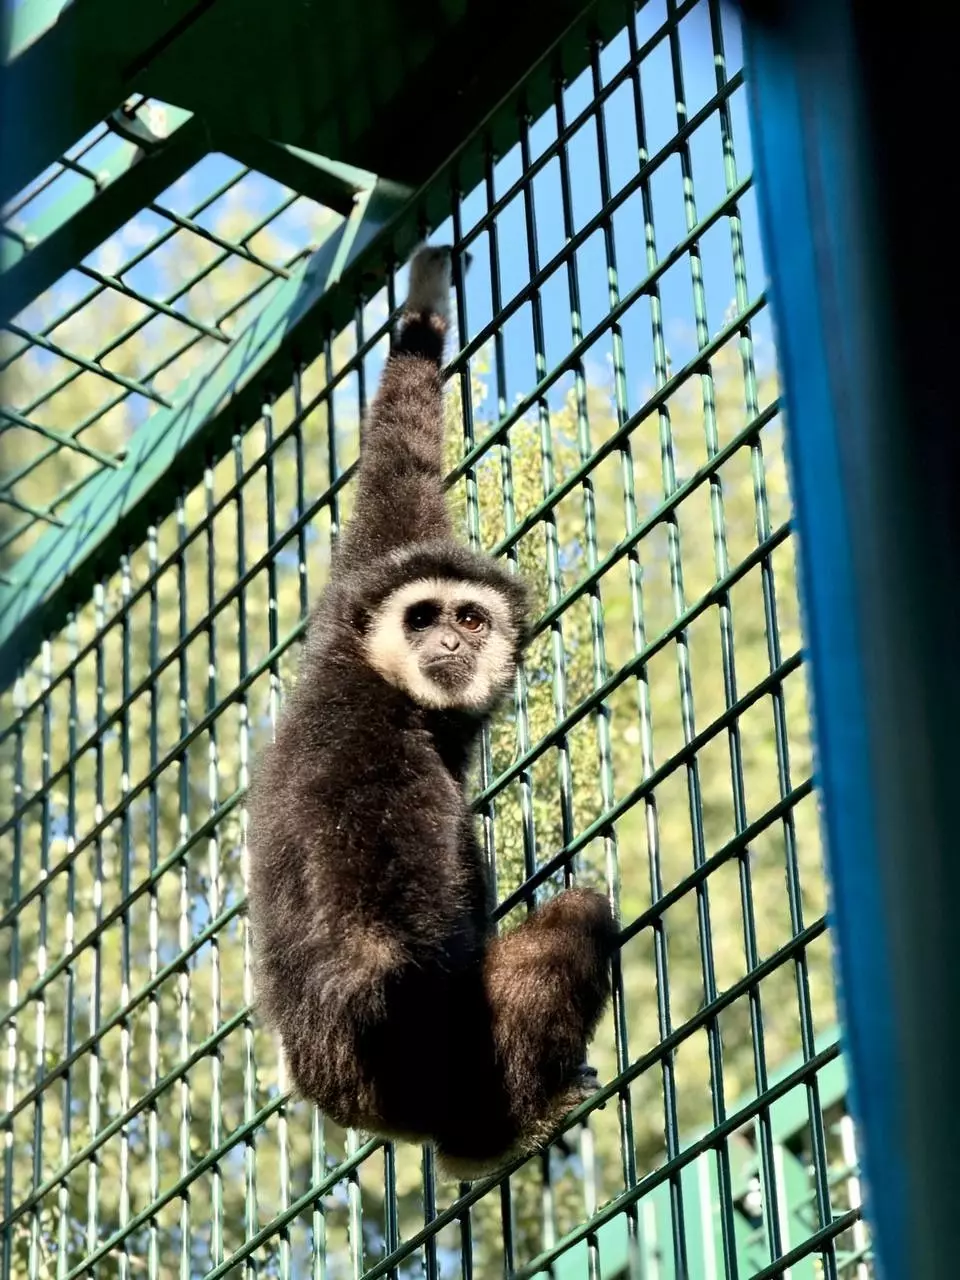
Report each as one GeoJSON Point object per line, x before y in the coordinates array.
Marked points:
{"type": "Point", "coordinates": [615, 431]}
{"type": "Point", "coordinates": [89, 362]}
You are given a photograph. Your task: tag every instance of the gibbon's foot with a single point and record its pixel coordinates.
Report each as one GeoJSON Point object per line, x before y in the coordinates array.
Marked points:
{"type": "Point", "coordinates": [584, 1085]}
{"type": "Point", "coordinates": [430, 274]}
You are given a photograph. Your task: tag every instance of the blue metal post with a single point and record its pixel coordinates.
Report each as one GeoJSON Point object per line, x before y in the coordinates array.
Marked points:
{"type": "Point", "coordinates": [846, 126]}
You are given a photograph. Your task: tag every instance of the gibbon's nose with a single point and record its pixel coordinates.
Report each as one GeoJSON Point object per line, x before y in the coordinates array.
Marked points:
{"type": "Point", "coordinates": [450, 640]}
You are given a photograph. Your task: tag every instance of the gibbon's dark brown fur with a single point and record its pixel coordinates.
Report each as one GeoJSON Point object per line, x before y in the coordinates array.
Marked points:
{"type": "Point", "coordinates": [399, 1012]}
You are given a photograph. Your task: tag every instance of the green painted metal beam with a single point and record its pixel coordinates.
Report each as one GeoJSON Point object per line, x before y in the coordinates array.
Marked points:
{"type": "Point", "coordinates": [35, 253]}
{"type": "Point", "coordinates": [357, 83]}
{"type": "Point", "coordinates": [329, 182]}
{"type": "Point", "coordinates": [73, 74]}
{"type": "Point", "coordinates": [119, 505]}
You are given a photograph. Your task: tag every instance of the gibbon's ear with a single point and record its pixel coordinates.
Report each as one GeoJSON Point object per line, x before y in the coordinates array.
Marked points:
{"type": "Point", "coordinates": [524, 634]}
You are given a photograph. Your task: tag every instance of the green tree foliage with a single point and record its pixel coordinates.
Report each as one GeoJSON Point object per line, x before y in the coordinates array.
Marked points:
{"type": "Point", "coordinates": [152, 799]}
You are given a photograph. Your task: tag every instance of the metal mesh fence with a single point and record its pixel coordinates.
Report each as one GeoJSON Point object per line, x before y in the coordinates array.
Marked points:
{"type": "Point", "coordinates": [615, 430]}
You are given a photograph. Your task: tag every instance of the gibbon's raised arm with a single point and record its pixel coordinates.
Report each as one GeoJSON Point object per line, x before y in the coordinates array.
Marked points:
{"type": "Point", "coordinates": [400, 498]}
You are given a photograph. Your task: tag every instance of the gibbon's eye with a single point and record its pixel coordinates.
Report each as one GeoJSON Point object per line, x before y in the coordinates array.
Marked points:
{"type": "Point", "coordinates": [471, 619]}
{"type": "Point", "coordinates": [421, 616]}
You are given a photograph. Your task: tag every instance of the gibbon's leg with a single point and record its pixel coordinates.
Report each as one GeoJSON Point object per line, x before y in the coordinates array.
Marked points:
{"type": "Point", "coordinates": [546, 984]}
{"type": "Point", "coordinates": [400, 496]}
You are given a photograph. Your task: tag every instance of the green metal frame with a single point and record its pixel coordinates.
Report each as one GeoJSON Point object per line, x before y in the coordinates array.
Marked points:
{"type": "Point", "coordinates": [147, 628]}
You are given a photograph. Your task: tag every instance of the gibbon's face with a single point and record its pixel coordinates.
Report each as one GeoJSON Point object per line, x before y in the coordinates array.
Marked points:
{"type": "Point", "coordinates": [447, 644]}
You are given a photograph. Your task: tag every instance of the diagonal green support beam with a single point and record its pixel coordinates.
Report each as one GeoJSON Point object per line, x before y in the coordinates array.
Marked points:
{"type": "Point", "coordinates": [34, 255]}
{"type": "Point", "coordinates": [329, 182]}
{"type": "Point", "coordinates": [118, 506]}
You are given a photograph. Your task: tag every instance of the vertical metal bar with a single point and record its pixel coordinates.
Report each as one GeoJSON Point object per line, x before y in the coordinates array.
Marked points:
{"type": "Point", "coordinates": [301, 495]}
{"type": "Point", "coordinates": [391, 1224]}
{"type": "Point", "coordinates": [69, 933]}
{"type": "Point", "coordinates": [473, 514]}
{"type": "Point", "coordinates": [774, 657]}
{"type": "Point", "coordinates": [318, 1168]}
{"type": "Point", "coordinates": [661, 373]}
{"type": "Point", "coordinates": [728, 665]}
{"type": "Point", "coordinates": [273, 638]}
{"type": "Point", "coordinates": [153, 926]}
{"type": "Point", "coordinates": [621, 400]}
{"type": "Point", "coordinates": [355, 1140]}
{"type": "Point", "coordinates": [487, 810]}
{"type": "Point", "coordinates": [318, 1146]}
{"type": "Point", "coordinates": [13, 984]}
{"type": "Point", "coordinates": [250, 1215]}
{"type": "Point", "coordinates": [213, 888]}
{"type": "Point", "coordinates": [355, 1208]}
{"type": "Point", "coordinates": [431, 1265]}
{"type": "Point", "coordinates": [333, 463]}
{"type": "Point", "coordinates": [36, 1244]}
{"type": "Point", "coordinates": [601, 715]}
{"type": "Point", "coordinates": [558, 674]}
{"type": "Point", "coordinates": [93, 1107]}
{"type": "Point", "coordinates": [527, 827]}
{"type": "Point", "coordinates": [183, 932]}
{"type": "Point", "coordinates": [126, 854]}
{"type": "Point", "coordinates": [508, 507]}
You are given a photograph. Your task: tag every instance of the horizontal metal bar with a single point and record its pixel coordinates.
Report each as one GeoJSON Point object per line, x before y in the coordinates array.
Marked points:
{"type": "Point", "coordinates": [60, 438]}
{"type": "Point", "coordinates": [122, 908]}
{"type": "Point", "coordinates": [634, 665]}
{"type": "Point", "coordinates": [236, 248]}
{"type": "Point", "coordinates": [89, 366]}
{"type": "Point", "coordinates": [667, 1046]}
{"type": "Point", "coordinates": [10, 499]}
{"type": "Point", "coordinates": [603, 824]}
{"type": "Point", "coordinates": [696, 364]}
{"type": "Point", "coordinates": [710, 1141]}
{"type": "Point", "coordinates": [157, 306]}
{"type": "Point", "coordinates": [814, 1243]}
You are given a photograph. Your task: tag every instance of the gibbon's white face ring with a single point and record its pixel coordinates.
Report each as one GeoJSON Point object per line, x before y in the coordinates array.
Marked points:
{"type": "Point", "coordinates": [390, 652]}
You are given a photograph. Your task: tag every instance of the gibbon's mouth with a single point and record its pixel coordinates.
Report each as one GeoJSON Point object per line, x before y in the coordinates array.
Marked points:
{"type": "Point", "coordinates": [447, 667]}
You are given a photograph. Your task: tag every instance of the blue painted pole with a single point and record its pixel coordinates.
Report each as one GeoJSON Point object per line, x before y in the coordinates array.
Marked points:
{"type": "Point", "coordinates": [849, 108]}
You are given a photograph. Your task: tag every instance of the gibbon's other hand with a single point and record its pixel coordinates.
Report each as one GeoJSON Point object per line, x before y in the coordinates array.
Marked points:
{"type": "Point", "coordinates": [430, 276]}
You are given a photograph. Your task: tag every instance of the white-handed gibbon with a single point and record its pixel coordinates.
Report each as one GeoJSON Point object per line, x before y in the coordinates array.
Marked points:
{"type": "Point", "coordinates": [399, 1009]}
